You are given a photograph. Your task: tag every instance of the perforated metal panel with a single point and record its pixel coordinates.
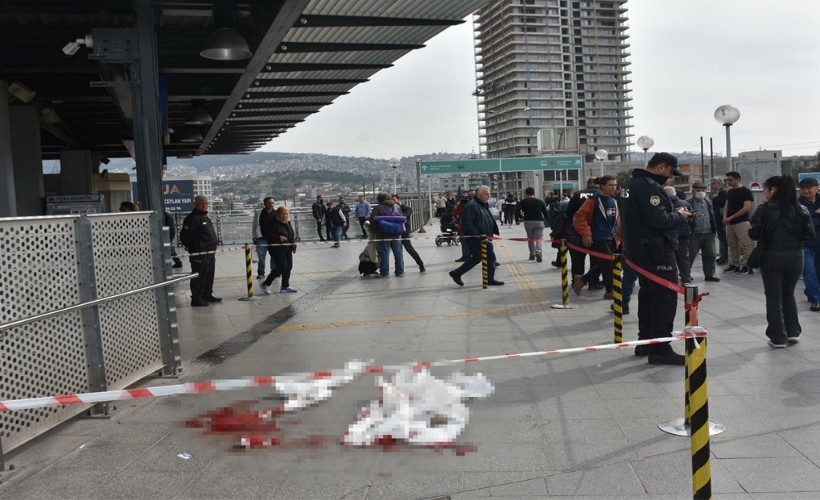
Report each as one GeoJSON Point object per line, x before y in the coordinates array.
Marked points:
{"type": "Point", "coordinates": [38, 275]}
{"type": "Point", "coordinates": [50, 263]}
{"type": "Point", "coordinates": [123, 261]}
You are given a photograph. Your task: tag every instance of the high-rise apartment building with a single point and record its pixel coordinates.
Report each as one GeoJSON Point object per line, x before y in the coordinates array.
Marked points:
{"type": "Point", "coordinates": [552, 64]}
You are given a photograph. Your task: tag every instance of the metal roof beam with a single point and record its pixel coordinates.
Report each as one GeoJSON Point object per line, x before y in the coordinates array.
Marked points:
{"type": "Point", "coordinates": [319, 21]}
{"type": "Point", "coordinates": [247, 106]}
{"type": "Point", "coordinates": [289, 12]}
{"type": "Point", "coordinates": [310, 47]}
{"type": "Point", "coordinates": [296, 82]}
{"type": "Point", "coordinates": [289, 67]}
{"type": "Point", "coordinates": [256, 114]}
{"type": "Point", "coordinates": [274, 95]}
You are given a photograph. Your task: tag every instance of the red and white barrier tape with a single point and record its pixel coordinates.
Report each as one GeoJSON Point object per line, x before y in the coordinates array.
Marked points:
{"type": "Point", "coordinates": [287, 381]}
{"type": "Point", "coordinates": [288, 384]}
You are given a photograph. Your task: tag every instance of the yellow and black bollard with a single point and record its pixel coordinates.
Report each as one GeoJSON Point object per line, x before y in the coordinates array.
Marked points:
{"type": "Point", "coordinates": [683, 426]}
{"type": "Point", "coordinates": [690, 315]}
{"type": "Point", "coordinates": [249, 272]}
{"type": "Point", "coordinates": [485, 269]}
{"type": "Point", "coordinates": [562, 253]}
{"type": "Point", "coordinates": [699, 418]}
{"type": "Point", "coordinates": [618, 299]}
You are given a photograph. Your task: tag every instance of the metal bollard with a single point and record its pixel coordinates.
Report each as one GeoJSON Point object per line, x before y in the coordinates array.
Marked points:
{"type": "Point", "coordinates": [618, 300]}
{"type": "Point", "coordinates": [564, 279]}
{"type": "Point", "coordinates": [699, 418]}
{"type": "Point", "coordinates": [682, 426]}
{"type": "Point", "coordinates": [249, 272]}
{"type": "Point", "coordinates": [485, 276]}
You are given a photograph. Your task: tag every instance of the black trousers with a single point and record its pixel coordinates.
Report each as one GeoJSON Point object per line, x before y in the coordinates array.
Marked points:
{"type": "Point", "coordinates": [657, 305]}
{"type": "Point", "coordinates": [407, 243]}
{"type": "Point", "coordinates": [283, 256]}
{"type": "Point", "coordinates": [319, 226]}
{"type": "Point", "coordinates": [474, 247]}
{"type": "Point", "coordinates": [203, 285]}
{"type": "Point", "coordinates": [601, 267]}
{"type": "Point", "coordinates": [780, 272]}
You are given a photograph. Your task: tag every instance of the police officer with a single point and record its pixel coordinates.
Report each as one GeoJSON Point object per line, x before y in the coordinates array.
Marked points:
{"type": "Point", "coordinates": [198, 235]}
{"type": "Point", "coordinates": [650, 224]}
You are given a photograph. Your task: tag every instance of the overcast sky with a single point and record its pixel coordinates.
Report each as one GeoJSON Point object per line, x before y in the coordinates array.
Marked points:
{"type": "Point", "coordinates": [687, 58]}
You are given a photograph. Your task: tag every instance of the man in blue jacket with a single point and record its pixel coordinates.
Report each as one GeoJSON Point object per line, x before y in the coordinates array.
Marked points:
{"type": "Point", "coordinates": [477, 224]}
{"type": "Point", "coordinates": [811, 249]}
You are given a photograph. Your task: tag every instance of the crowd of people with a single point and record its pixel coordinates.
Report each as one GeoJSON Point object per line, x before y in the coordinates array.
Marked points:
{"type": "Point", "coordinates": [650, 221]}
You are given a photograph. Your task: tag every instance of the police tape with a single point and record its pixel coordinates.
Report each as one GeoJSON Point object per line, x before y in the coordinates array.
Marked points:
{"type": "Point", "coordinates": [309, 386]}
{"type": "Point", "coordinates": [655, 278]}
{"type": "Point", "coordinates": [652, 277]}
{"type": "Point", "coordinates": [356, 240]}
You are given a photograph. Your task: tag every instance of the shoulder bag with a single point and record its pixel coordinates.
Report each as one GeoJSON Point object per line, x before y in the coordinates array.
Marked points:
{"type": "Point", "coordinates": [756, 257]}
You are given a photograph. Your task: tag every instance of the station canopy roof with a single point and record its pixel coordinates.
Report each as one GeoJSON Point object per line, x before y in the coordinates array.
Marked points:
{"type": "Point", "coordinates": [304, 54]}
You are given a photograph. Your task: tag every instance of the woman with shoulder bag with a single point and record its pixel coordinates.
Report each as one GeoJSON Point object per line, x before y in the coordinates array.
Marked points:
{"type": "Point", "coordinates": [780, 226]}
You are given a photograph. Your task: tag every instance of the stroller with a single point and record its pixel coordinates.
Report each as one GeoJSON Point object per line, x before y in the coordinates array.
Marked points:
{"type": "Point", "coordinates": [449, 230]}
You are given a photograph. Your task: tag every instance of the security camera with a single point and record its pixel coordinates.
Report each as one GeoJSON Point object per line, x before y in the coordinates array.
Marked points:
{"type": "Point", "coordinates": [71, 48]}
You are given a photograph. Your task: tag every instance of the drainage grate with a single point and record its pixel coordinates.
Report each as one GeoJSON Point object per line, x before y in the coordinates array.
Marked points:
{"type": "Point", "coordinates": [246, 339]}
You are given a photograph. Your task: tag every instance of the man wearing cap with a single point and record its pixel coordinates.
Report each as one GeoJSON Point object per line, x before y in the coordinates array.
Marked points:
{"type": "Point", "coordinates": [811, 249]}
{"type": "Point", "coordinates": [704, 227]}
{"type": "Point", "coordinates": [650, 224]}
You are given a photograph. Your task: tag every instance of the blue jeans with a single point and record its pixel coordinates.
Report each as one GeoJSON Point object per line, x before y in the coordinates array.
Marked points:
{"type": "Point", "coordinates": [336, 232]}
{"type": "Point", "coordinates": [384, 248]}
{"type": "Point", "coordinates": [628, 279]}
{"type": "Point", "coordinates": [261, 252]}
{"type": "Point", "coordinates": [811, 266]}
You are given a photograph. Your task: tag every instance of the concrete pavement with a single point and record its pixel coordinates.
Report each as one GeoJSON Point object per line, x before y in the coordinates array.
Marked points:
{"type": "Point", "coordinates": [572, 426]}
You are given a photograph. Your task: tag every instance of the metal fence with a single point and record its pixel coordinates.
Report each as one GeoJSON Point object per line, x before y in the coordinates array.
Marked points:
{"type": "Point", "coordinates": [52, 263]}
{"type": "Point", "coordinates": [234, 227]}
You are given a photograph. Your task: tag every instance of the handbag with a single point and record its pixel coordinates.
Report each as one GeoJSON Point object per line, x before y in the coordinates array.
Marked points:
{"type": "Point", "coordinates": [756, 257]}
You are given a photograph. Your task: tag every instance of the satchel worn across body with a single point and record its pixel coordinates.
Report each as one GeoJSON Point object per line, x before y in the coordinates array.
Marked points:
{"type": "Point", "coordinates": [756, 257]}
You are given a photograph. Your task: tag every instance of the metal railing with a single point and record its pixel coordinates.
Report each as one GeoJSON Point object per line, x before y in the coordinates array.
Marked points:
{"type": "Point", "coordinates": [234, 227]}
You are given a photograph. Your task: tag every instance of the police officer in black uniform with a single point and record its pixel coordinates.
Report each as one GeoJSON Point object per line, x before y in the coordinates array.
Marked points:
{"type": "Point", "coordinates": [198, 235]}
{"type": "Point", "coordinates": [650, 224]}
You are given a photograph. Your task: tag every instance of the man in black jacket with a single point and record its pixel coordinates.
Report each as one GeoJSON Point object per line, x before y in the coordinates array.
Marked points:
{"type": "Point", "coordinates": [319, 210]}
{"type": "Point", "coordinates": [478, 224]}
{"type": "Point", "coordinates": [534, 213]}
{"type": "Point", "coordinates": [719, 195]}
{"type": "Point", "coordinates": [650, 224]}
{"type": "Point", "coordinates": [198, 235]}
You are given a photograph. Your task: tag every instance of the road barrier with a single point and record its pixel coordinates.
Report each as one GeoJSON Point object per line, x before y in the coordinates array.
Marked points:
{"type": "Point", "coordinates": [248, 272]}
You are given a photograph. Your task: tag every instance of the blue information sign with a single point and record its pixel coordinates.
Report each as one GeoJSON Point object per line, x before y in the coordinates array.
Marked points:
{"type": "Point", "coordinates": [177, 196]}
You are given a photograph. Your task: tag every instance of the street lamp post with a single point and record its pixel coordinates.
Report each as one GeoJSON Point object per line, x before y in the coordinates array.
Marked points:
{"type": "Point", "coordinates": [645, 142]}
{"type": "Point", "coordinates": [394, 164]}
{"type": "Point", "coordinates": [727, 115]}
{"type": "Point", "coordinates": [602, 155]}
{"type": "Point", "coordinates": [430, 196]}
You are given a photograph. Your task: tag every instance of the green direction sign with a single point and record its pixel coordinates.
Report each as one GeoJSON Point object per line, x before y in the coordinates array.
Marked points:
{"type": "Point", "coordinates": [459, 166]}
{"type": "Point", "coordinates": [553, 162]}
{"type": "Point", "coordinates": [541, 163]}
